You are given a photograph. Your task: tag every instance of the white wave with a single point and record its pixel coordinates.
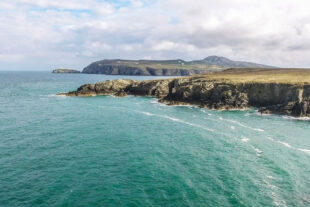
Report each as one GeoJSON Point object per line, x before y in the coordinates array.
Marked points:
{"type": "Point", "coordinates": [257, 113]}
{"type": "Point", "coordinates": [270, 177]}
{"type": "Point", "coordinates": [188, 123]}
{"type": "Point", "coordinates": [232, 127]}
{"type": "Point", "coordinates": [258, 151]}
{"type": "Point", "coordinates": [57, 95]}
{"type": "Point", "coordinates": [270, 186]}
{"type": "Point", "coordinates": [285, 144]}
{"type": "Point", "coordinates": [270, 138]}
{"type": "Point", "coordinates": [147, 113]}
{"type": "Point", "coordinates": [241, 124]}
{"type": "Point", "coordinates": [190, 106]}
{"type": "Point", "coordinates": [278, 202]}
{"type": "Point", "coordinates": [305, 150]}
{"type": "Point", "coordinates": [204, 111]}
{"type": "Point", "coordinates": [289, 146]}
{"type": "Point", "coordinates": [297, 118]}
{"type": "Point", "coordinates": [274, 189]}
{"type": "Point", "coordinates": [171, 118]}
{"type": "Point", "coordinates": [176, 120]}
{"type": "Point", "coordinates": [244, 139]}
{"type": "Point", "coordinates": [155, 101]}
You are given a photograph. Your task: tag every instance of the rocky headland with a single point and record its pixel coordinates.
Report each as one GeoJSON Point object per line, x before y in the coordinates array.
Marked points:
{"type": "Point", "coordinates": [278, 91]}
{"type": "Point", "coordinates": [62, 70]}
{"type": "Point", "coordinates": [166, 67]}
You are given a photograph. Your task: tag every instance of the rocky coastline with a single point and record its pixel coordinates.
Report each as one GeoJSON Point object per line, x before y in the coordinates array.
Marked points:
{"type": "Point", "coordinates": [291, 99]}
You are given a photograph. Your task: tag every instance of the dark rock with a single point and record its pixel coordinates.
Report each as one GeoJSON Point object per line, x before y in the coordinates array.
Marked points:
{"type": "Point", "coordinates": [289, 99]}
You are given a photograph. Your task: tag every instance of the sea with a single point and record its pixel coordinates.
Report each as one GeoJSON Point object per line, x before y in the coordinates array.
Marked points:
{"type": "Point", "coordinates": [135, 152]}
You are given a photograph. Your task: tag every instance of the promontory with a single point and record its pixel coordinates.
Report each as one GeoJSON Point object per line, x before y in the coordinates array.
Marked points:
{"type": "Point", "coordinates": [176, 67]}
{"type": "Point", "coordinates": [278, 91]}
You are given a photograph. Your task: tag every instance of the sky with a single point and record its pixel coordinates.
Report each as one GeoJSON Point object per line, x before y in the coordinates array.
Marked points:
{"type": "Point", "coordinates": [45, 34]}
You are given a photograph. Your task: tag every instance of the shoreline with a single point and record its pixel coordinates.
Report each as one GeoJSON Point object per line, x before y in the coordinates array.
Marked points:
{"type": "Point", "coordinates": [239, 90]}
{"type": "Point", "coordinates": [188, 105]}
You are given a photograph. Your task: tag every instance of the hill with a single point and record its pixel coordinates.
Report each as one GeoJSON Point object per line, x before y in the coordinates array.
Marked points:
{"type": "Point", "coordinates": [176, 67]}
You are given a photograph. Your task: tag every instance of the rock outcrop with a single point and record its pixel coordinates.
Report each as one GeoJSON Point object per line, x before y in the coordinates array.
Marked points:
{"type": "Point", "coordinates": [278, 98]}
{"type": "Point", "coordinates": [61, 70]}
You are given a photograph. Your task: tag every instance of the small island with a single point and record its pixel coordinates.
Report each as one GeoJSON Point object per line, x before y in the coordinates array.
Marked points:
{"type": "Point", "coordinates": [277, 91]}
{"type": "Point", "coordinates": [63, 70]}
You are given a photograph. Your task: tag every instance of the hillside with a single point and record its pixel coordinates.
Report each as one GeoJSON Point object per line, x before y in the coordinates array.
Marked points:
{"type": "Point", "coordinates": [166, 67]}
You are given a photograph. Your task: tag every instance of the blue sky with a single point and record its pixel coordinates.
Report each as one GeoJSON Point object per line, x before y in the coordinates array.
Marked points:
{"type": "Point", "coordinates": [44, 34]}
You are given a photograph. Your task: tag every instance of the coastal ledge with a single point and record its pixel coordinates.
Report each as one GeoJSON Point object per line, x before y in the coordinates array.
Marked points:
{"type": "Point", "coordinates": [277, 91]}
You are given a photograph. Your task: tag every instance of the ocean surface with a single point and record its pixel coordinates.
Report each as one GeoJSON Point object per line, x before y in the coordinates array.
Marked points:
{"type": "Point", "coordinates": [133, 151]}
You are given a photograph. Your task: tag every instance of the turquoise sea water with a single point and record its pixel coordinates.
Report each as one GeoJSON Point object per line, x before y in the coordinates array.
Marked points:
{"type": "Point", "coordinates": [133, 151]}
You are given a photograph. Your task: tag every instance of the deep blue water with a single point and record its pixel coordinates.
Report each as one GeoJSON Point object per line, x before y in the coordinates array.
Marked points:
{"type": "Point", "coordinates": [133, 151]}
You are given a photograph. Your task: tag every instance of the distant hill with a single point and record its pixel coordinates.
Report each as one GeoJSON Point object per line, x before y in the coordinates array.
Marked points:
{"type": "Point", "coordinates": [176, 67]}
{"type": "Point", "coordinates": [225, 62]}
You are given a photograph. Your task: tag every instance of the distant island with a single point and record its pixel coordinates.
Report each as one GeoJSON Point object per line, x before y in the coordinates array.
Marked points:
{"type": "Point", "coordinates": [166, 67]}
{"type": "Point", "coordinates": [278, 91]}
{"type": "Point", "coordinates": [62, 70]}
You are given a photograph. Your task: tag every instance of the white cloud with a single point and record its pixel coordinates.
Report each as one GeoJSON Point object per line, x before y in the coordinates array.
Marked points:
{"type": "Point", "coordinates": [42, 33]}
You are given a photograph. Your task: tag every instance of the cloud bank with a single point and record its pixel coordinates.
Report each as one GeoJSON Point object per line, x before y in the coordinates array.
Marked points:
{"type": "Point", "coordinates": [43, 34]}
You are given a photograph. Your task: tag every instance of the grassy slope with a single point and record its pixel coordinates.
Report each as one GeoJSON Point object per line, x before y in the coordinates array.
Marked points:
{"type": "Point", "coordinates": [290, 76]}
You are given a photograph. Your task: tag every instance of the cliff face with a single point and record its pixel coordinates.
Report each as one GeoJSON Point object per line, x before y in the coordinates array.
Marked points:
{"type": "Point", "coordinates": [130, 70]}
{"type": "Point", "coordinates": [165, 67]}
{"type": "Point", "coordinates": [279, 98]}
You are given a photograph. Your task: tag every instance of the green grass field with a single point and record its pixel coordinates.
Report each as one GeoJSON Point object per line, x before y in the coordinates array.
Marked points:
{"type": "Point", "coordinates": [290, 76]}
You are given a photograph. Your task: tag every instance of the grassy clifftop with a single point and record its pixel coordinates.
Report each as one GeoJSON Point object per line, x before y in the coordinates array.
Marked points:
{"type": "Point", "coordinates": [258, 75]}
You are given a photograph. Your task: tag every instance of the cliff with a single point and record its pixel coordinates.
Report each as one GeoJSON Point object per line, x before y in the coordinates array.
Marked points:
{"type": "Point", "coordinates": [165, 67]}
{"type": "Point", "coordinates": [272, 91]}
{"type": "Point", "coordinates": [131, 70]}
{"type": "Point", "coordinates": [61, 70]}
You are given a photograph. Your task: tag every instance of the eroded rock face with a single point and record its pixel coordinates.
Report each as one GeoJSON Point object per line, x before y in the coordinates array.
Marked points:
{"type": "Point", "coordinates": [207, 94]}
{"type": "Point", "coordinates": [129, 70]}
{"type": "Point", "coordinates": [289, 99]}
{"type": "Point", "coordinates": [111, 87]}
{"type": "Point", "coordinates": [157, 88]}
